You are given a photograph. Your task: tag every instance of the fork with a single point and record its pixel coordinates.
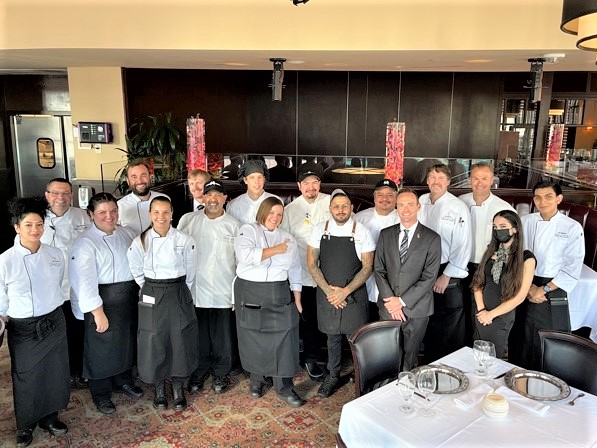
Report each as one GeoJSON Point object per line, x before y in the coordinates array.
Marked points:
{"type": "Point", "coordinates": [571, 402]}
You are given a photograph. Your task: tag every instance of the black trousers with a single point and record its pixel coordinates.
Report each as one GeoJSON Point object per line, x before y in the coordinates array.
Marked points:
{"type": "Point", "coordinates": [468, 300]}
{"type": "Point", "coordinates": [334, 344]}
{"type": "Point", "coordinates": [75, 336]}
{"type": "Point", "coordinates": [215, 342]}
{"type": "Point", "coordinates": [308, 331]}
{"type": "Point", "coordinates": [445, 330]}
{"type": "Point", "coordinates": [102, 389]}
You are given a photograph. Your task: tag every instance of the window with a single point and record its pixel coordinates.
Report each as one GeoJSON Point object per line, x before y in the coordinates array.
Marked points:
{"type": "Point", "coordinates": [46, 157]}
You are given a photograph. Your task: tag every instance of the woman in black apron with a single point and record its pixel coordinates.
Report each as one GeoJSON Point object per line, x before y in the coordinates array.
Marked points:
{"type": "Point", "coordinates": [268, 268]}
{"type": "Point", "coordinates": [30, 303]}
{"type": "Point", "coordinates": [163, 262]}
{"type": "Point", "coordinates": [104, 290]}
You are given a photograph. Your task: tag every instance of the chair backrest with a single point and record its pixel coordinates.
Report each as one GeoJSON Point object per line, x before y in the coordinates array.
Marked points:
{"type": "Point", "coordinates": [339, 442]}
{"type": "Point", "coordinates": [375, 348]}
{"type": "Point", "coordinates": [571, 358]}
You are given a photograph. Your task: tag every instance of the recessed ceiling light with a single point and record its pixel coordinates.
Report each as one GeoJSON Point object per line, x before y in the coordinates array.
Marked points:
{"type": "Point", "coordinates": [398, 66]}
{"type": "Point", "coordinates": [236, 64]}
{"type": "Point", "coordinates": [295, 62]}
{"type": "Point", "coordinates": [479, 61]}
{"type": "Point", "coordinates": [335, 64]}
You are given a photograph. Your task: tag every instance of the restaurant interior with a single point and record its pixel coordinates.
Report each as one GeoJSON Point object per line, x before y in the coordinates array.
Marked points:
{"type": "Point", "coordinates": [509, 82]}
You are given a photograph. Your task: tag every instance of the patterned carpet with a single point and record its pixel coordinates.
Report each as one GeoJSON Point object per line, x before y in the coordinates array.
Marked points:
{"type": "Point", "coordinates": [231, 419]}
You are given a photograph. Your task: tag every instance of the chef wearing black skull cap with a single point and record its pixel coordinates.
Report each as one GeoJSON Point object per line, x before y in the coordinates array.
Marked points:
{"type": "Point", "coordinates": [254, 174]}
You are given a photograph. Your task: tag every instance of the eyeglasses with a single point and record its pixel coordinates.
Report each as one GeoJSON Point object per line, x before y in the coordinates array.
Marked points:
{"type": "Point", "coordinates": [59, 193]}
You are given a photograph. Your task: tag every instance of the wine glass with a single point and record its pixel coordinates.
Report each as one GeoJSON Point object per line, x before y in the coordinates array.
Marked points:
{"type": "Point", "coordinates": [426, 383]}
{"type": "Point", "coordinates": [481, 353]}
{"type": "Point", "coordinates": [406, 387]}
{"type": "Point", "coordinates": [490, 358]}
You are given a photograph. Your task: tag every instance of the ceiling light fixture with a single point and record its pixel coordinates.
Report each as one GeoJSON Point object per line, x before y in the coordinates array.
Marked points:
{"type": "Point", "coordinates": [579, 17]}
{"type": "Point", "coordinates": [277, 78]}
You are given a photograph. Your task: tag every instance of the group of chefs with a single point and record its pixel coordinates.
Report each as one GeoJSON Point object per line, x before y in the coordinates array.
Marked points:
{"type": "Point", "coordinates": [87, 296]}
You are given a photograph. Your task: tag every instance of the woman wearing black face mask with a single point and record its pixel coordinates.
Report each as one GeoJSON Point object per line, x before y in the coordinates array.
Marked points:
{"type": "Point", "coordinates": [502, 280]}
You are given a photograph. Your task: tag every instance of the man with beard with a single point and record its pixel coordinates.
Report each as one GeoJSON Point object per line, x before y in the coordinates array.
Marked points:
{"type": "Point", "coordinates": [62, 225]}
{"type": "Point", "coordinates": [254, 174]}
{"type": "Point", "coordinates": [376, 218]}
{"type": "Point", "coordinates": [133, 209]}
{"type": "Point", "coordinates": [197, 180]}
{"type": "Point", "coordinates": [300, 216]}
{"type": "Point", "coordinates": [340, 260]}
{"type": "Point", "coordinates": [447, 215]}
{"type": "Point", "coordinates": [214, 231]}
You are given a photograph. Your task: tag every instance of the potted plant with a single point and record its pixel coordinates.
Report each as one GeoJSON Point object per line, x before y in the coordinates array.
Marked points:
{"type": "Point", "coordinates": [158, 139]}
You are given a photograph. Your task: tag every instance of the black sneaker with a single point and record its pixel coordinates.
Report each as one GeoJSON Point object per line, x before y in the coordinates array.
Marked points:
{"type": "Point", "coordinates": [329, 385]}
{"type": "Point", "coordinates": [220, 384]}
{"type": "Point", "coordinates": [314, 371]}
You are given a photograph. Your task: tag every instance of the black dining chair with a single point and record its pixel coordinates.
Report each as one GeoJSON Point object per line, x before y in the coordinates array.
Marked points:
{"type": "Point", "coordinates": [375, 348]}
{"type": "Point", "coordinates": [571, 358]}
{"type": "Point", "coordinates": [339, 442]}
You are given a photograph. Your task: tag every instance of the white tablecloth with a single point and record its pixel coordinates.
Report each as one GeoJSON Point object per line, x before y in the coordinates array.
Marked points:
{"type": "Point", "coordinates": [582, 301]}
{"type": "Point", "coordinates": [375, 421]}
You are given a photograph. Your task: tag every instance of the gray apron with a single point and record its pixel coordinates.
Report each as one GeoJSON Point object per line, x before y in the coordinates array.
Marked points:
{"type": "Point", "coordinates": [167, 338]}
{"type": "Point", "coordinates": [267, 326]}
{"type": "Point", "coordinates": [339, 264]}
{"type": "Point", "coordinates": [39, 366]}
{"type": "Point", "coordinates": [113, 351]}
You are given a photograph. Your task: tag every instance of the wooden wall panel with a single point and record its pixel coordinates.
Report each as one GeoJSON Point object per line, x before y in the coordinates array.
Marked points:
{"type": "Point", "coordinates": [425, 108]}
{"type": "Point", "coordinates": [475, 118]}
{"type": "Point", "coordinates": [383, 96]}
{"type": "Point", "coordinates": [322, 112]}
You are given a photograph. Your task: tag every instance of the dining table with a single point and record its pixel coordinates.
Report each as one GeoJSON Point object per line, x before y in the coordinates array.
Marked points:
{"type": "Point", "coordinates": [582, 302]}
{"type": "Point", "coordinates": [374, 420]}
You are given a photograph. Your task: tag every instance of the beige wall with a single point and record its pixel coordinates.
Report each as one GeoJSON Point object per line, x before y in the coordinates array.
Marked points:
{"type": "Point", "coordinates": [96, 94]}
{"type": "Point", "coordinates": [275, 24]}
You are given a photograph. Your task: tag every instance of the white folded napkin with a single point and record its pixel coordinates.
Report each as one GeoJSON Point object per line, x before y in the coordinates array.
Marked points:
{"type": "Point", "coordinates": [473, 397]}
{"type": "Point", "coordinates": [514, 397]}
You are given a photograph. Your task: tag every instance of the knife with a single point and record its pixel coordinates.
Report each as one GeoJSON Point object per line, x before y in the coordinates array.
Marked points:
{"type": "Point", "coordinates": [501, 375]}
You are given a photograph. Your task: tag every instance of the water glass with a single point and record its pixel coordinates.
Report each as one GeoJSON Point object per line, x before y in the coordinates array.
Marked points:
{"type": "Point", "coordinates": [406, 388]}
{"type": "Point", "coordinates": [484, 354]}
{"type": "Point", "coordinates": [426, 383]}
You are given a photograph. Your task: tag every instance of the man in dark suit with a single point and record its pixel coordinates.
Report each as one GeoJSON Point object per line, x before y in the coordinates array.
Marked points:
{"type": "Point", "coordinates": [407, 261]}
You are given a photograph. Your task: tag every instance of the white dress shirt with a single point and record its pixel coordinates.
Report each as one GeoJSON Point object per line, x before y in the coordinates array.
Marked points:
{"type": "Point", "coordinates": [134, 213]}
{"type": "Point", "coordinates": [30, 282]}
{"type": "Point", "coordinates": [162, 258]}
{"type": "Point", "coordinates": [450, 218]}
{"type": "Point", "coordinates": [244, 209]}
{"type": "Point", "coordinates": [248, 247]}
{"type": "Point", "coordinates": [558, 245]}
{"type": "Point", "coordinates": [482, 221]}
{"type": "Point", "coordinates": [363, 241]}
{"type": "Point", "coordinates": [97, 259]}
{"type": "Point", "coordinates": [300, 217]}
{"type": "Point", "coordinates": [61, 232]}
{"type": "Point", "coordinates": [216, 263]}
{"type": "Point", "coordinates": [375, 223]}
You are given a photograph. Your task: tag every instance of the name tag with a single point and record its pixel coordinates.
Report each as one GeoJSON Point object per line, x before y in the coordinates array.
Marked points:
{"type": "Point", "coordinates": [148, 299]}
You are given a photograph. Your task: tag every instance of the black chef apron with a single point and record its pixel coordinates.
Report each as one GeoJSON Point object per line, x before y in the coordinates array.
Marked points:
{"type": "Point", "coordinates": [113, 351]}
{"type": "Point", "coordinates": [39, 366]}
{"type": "Point", "coordinates": [339, 264]}
{"type": "Point", "coordinates": [267, 326]}
{"type": "Point", "coordinates": [167, 339]}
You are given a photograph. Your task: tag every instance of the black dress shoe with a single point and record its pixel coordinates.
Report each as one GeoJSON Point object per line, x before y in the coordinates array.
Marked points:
{"type": "Point", "coordinates": [314, 371]}
{"type": "Point", "coordinates": [329, 385]}
{"type": "Point", "coordinates": [56, 427]}
{"type": "Point", "coordinates": [105, 406]}
{"type": "Point", "coordinates": [130, 390]}
{"type": "Point", "coordinates": [78, 382]}
{"type": "Point", "coordinates": [220, 384]}
{"type": "Point", "coordinates": [24, 437]}
{"type": "Point", "coordinates": [179, 401]}
{"type": "Point", "coordinates": [293, 400]}
{"type": "Point", "coordinates": [256, 391]}
{"type": "Point", "coordinates": [196, 384]}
